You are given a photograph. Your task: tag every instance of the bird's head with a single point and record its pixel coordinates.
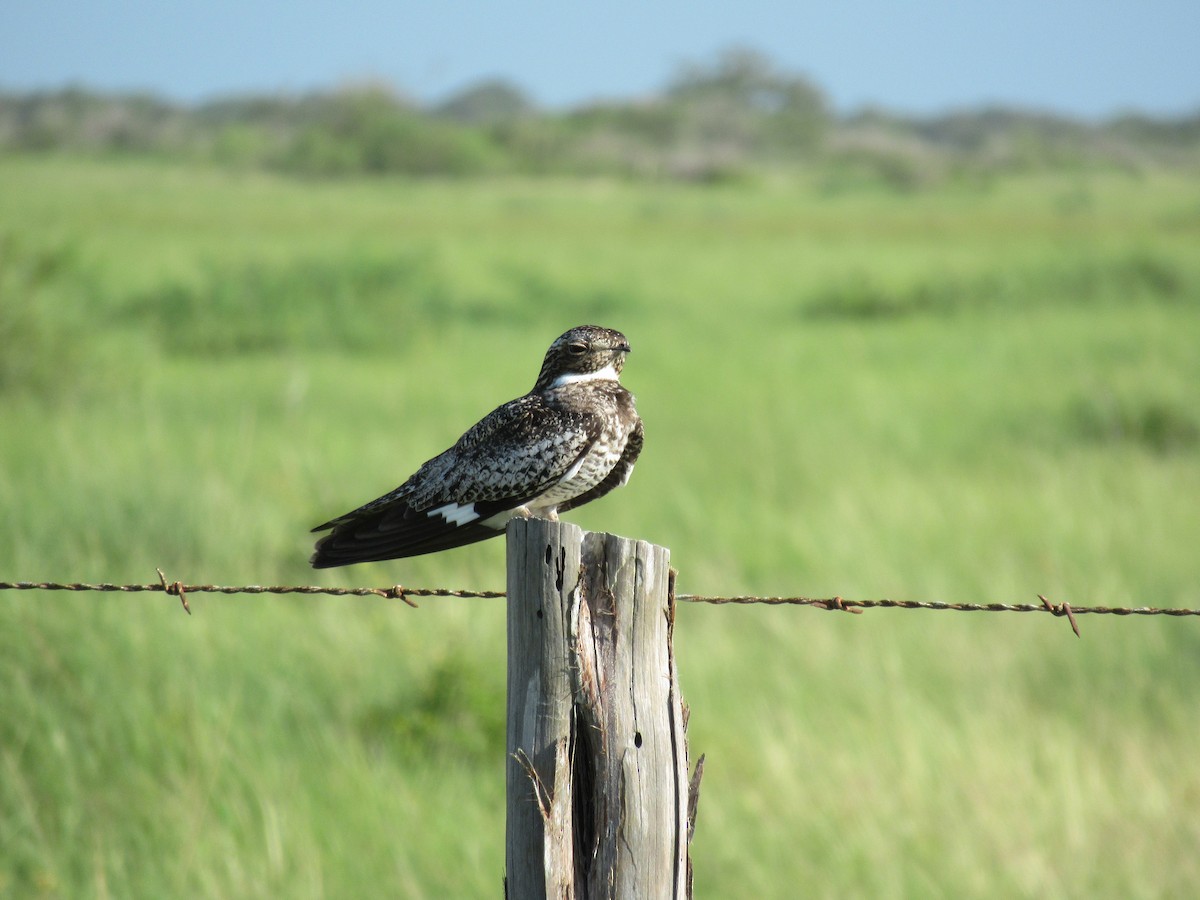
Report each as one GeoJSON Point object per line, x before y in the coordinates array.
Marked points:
{"type": "Point", "coordinates": [585, 353]}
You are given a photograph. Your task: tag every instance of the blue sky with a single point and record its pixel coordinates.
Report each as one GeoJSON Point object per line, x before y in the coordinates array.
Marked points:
{"type": "Point", "coordinates": [1085, 58]}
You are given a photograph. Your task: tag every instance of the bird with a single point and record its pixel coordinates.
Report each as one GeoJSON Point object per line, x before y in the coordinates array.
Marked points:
{"type": "Point", "coordinates": [573, 438]}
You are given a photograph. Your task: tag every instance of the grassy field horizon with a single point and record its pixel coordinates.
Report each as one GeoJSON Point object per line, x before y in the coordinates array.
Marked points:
{"type": "Point", "coordinates": [974, 392]}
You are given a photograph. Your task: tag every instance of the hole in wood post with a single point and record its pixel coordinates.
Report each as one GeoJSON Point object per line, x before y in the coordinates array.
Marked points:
{"type": "Point", "coordinates": [549, 556]}
{"type": "Point", "coordinates": [539, 613]}
{"type": "Point", "coordinates": [637, 739]}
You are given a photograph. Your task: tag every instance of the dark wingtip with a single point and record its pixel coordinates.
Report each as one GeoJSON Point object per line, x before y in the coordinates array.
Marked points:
{"type": "Point", "coordinates": [319, 560]}
{"type": "Point", "coordinates": [395, 532]}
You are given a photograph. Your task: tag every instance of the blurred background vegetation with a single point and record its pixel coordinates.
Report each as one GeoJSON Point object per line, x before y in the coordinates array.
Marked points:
{"type": "Point", "coordinates": [943, 359]}
{"type": "Point", "coordinates": [727, 118]}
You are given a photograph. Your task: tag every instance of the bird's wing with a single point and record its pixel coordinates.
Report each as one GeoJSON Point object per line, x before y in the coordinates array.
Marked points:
{"type": "Point", "coordinates": [510, 457]}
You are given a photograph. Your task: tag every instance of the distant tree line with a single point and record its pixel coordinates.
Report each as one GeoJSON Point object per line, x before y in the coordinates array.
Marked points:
{"type": "Point", "coordinates": [729, 118]}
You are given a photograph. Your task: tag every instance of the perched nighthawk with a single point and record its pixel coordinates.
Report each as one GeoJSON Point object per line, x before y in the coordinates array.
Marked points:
{"type": "Point", "coordinates": [571, 439]}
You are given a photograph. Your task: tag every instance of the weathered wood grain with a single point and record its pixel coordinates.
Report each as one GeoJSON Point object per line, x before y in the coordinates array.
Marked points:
{"type": "Point", "coordinates": [598, 784]}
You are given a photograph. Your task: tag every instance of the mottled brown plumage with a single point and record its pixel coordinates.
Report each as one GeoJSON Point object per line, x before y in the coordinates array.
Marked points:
{"type": "Point", "coordinates": [570, 440]}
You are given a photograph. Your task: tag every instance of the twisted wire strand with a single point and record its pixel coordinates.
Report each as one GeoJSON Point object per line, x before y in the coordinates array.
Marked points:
{"type": "Point", "coordinates": [854, 605]}
{"type": "Point", "coordinates": [181, 590]}
{"type": "Point", "coordinates": [396, 592]}
{"type": "Point", "coordinates": [399, 592]}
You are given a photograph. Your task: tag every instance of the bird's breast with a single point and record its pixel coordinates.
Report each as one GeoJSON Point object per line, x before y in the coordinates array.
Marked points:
{"type": "Point", "coordinates": [613, 410]}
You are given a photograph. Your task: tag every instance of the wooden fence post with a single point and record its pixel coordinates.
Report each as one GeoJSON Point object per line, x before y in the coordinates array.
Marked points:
{"type": "Point", "coordinates": [597, 783]}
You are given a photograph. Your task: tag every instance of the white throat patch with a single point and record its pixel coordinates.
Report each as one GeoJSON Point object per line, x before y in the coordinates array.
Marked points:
{"type": "Point", "coordinates": [608, 373]}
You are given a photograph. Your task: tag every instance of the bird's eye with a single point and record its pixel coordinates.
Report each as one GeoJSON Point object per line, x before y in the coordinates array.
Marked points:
{"type": "Point", "coordinates": [577, 348]}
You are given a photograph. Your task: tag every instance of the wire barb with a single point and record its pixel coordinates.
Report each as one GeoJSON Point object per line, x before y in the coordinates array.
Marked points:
{"type": "Point", "coordinates": [1063, 609]}
{"type": "Point", "coordinates": [395, 592]}
{"type": "Point", "coordinates": [175, 588]}
{"type": "Point", "coordinates": [839, 604]}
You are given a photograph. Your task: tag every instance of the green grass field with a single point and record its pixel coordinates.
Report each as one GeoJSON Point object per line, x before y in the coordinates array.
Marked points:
{"type": "Point", "coordinates": [977, 393]}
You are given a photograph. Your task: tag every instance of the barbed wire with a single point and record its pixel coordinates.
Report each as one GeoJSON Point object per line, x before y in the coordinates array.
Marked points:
{"type": "Point", "coordinates": [857, 606]}
{"type": "Point", "coordinates": [181, 590]}
{"type": "Point", "coordinates": [405, 594]}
